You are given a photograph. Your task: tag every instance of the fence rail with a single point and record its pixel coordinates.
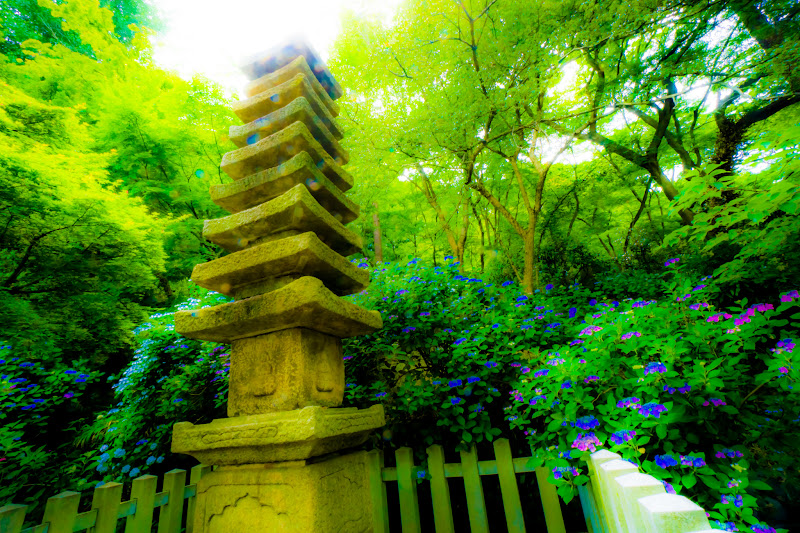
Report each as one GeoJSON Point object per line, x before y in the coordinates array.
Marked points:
{"type": "Point", "coordinates": [617, 499]}
{"type": "Point", "coordinates": [61, 512]}
{"type": "Point", "coordinates": [621, 499]}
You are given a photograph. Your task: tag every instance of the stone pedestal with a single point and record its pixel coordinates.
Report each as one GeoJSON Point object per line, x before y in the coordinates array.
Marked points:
{"type": "Point", "coordinates": [282, 456]}
{"type": "Point", "coordinates": [329, 495]}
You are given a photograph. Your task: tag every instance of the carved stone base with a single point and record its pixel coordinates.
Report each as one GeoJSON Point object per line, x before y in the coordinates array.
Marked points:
{"type": "Point", "coordinates": [283, 436]}
{"type": "Point", "coordinates": [329, 496]}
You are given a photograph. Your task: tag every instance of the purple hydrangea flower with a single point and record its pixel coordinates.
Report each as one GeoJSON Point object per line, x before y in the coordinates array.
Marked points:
{"type": "Point", "coordinates": [652, 409]}
{"type": "Point", "coordinates": [587, 442]}
{"type": "Point", "coordinates": [655, 368]}
{"type": "Point", "coordinates": [631, 401]}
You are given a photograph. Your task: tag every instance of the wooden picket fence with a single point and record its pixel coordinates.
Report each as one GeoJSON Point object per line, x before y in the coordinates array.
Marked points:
{"type": "Point", "coordinates": [61, 512]}
{"type": "Point", "coordinates": [621, 499]}
{"type": "Point", "coordinates": [618, 498]}
{"type": "Point", "coordinates": [470, 469]}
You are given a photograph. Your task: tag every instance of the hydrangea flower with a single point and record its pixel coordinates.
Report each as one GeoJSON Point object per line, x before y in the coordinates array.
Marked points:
{"type": "Point", "coordinates": [655, 368]}
{"type": "Point", "coordinates": [727, 452]}
{"type": "Point", "coordinates": [696, 462]}
{"type": "Point", "coordinates": [587, 442]}
{"type": "Point", "coordinates": [652, 409]}
{"type": "Point", "coordinates": [455, 383]}
{"type": "Point", "coordinates": [559, 471]}
{"type": "Point", "coordinates": [473, 379]}
{"type": "Point", "coordinates": [622, 436]}
{"type": "Point", "coordinates": [726, 526]}
{"type": "Point", "coordinates": [456, 400]}
{"type": "Point", "coordinates": [586, 422]}
{"type": "Point", "coordinates": [632, 334]}
{"type": "Point", "coordinates": [591, 378]}
{"type": "Point", "coordinates": [788, 297]}
{"type": "Point", "coordinates": [715, 401]}
{"type": "Point", "coordinates": [380, 394]}
{"type": "Point", "coordinates": [590, 330]}
{"type": "Point", "coordinates": [631, 401]}
{"type": "Point", "coordinates": [665, 461]}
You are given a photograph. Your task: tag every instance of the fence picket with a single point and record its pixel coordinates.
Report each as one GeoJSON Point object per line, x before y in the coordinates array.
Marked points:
{"type": "Point", "coordinates": [377, 489]}
{"type": "Point", "coordinates": [12, 517]}
{"type": "Point", "coordinates": [197, 472]}
{"type": "Point", "coordinates": [407, 487]}
{"type": "Point", "coordinates": [631, 487]}
{"type": "Point", "coordinates": [476, 505]}
{"type": "Point", "coordinates": [61, 511]}
{"type": "Point", "coordinates": [440, 491]}
{"type": "Point", "coordinates": [170, 514]}
{"type": "Point", "coordinates": [589, 507]}
{"type": "Point", "coordinates": [608, 472]}
{"type": "Point", "coordinates": [596, 459]}
{"type": "Point", "coordinates": [550, 503]}
{"type": "Point", "coordinates": [508, 486]}
{"type": "Point", "coordinates": [105, 501]}
{"type": "Point", "coordinates": [143, 493]}
{"type": "Point", "coordinates": [670, 513]}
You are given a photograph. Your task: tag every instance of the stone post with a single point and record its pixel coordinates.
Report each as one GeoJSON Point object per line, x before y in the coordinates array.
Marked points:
{"type": "Point", "coordinates": [281, 456]}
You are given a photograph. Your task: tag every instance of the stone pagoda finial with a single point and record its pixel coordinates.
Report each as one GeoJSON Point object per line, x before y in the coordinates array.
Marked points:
{"type": "Point", "coordinates": [286, 272]}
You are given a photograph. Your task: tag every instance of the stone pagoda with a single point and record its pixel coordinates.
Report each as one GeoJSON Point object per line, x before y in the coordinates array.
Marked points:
{"type": "Point", "coordinates": [281, 456]}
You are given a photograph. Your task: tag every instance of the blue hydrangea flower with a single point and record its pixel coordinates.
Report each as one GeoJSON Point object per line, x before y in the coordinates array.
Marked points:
{"type": "Point", "coordinates": [150, 460]}
{"type": "Point", "coordinates": [586, 422]}
{"type": "Point", "coordinates": [652, 409]}
{"type": "Point", "coordinates": [135, 472]}
{"type": "Point", "coordinates": [455, 383]}
{"type": "Point", "coordinates": [622, 436]}
{"type": "Point", "coordinates": [666, 461]}
{"type": "Point", "coordinates": [119, 452]}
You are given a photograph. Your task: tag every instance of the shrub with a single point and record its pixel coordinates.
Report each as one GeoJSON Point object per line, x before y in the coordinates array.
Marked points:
{"type": "Point", "coordinates": [701, 398]}
{"type": "Point", "coordinates": [39, 395]}
{"type": "Point", "coordinates": [171, 379]}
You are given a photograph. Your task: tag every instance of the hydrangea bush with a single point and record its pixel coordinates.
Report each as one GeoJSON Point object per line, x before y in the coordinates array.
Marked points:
{"type": "Point", "coordinates": [702, 398]}
{"type": "Point", "coordinates": [38, 395]}
{"type": "Point", "coordinates": [171, 379]}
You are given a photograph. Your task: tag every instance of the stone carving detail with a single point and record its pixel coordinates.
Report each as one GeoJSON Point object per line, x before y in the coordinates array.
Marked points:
{"type": "Point", "coordinates": [286, 271]}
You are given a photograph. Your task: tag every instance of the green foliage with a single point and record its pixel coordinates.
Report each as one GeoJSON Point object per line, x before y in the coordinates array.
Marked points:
{"type": "Point", "coordinates": [459, 361]}
{"type": "Point", "coordinates": [39, 398]}
{"type": "Point", "coordinates": [171, 379]}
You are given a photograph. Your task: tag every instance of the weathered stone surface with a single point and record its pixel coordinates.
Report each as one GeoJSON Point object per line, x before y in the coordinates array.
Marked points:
{"type": "Point", "coordinates": [273, 99]}
{"type": "Point", "coordinates": [280, 56]}
{"type": "Point", "coordinates": [298, 110]}
{"type": "Point", "coordinates": [326, 496]}
{"type": "Point", "coordinates": [280, 148]}
{"type": "Point", "coordinates": [291, 213]}
{"type": "Point", "coordinates": [299, 65]}
{"type": "Point", "coordinates": [285, 370]}
{"type": "Point", "coordinates": [303, 303]}
{"type": "Point", "coordinates": [281, 436]}
{"type": "Point", "coordinates": [242, 274]}
{"type": "Point", "coordinates": [264, 186]}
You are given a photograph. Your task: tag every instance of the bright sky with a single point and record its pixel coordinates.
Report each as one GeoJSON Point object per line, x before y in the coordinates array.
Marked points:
{"type": "Point", "coordinates": [213, 38]}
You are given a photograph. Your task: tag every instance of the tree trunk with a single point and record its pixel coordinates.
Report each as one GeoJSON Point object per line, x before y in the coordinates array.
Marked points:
{"type": "Point", "coordinates": [377, 235]}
